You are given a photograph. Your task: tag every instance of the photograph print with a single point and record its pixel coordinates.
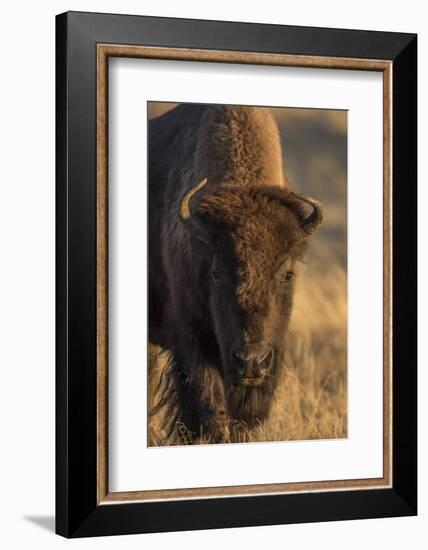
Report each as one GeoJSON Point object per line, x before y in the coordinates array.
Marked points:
{"type": "Point", "coordinates": [247, 285]}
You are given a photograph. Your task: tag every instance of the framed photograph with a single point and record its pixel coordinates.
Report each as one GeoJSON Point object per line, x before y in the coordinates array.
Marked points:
{"type": "Point", "coordinates": [236, 274]}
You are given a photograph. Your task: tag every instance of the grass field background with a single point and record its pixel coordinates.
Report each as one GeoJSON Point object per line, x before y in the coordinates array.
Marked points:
{"type": "Point", "coordinates": [311, 400]}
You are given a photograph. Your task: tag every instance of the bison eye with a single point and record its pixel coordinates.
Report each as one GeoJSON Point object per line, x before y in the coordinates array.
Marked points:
{"type": "Point", "coordinates": [287, 277]}
{"type": "Point", "coordinates": [215, 276]}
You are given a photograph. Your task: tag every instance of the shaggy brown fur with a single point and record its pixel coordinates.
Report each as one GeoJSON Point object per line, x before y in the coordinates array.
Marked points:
{"type": "Point", "coordinates": [252, 224]}
{"type": "Point", "coordinates": [239, 145]}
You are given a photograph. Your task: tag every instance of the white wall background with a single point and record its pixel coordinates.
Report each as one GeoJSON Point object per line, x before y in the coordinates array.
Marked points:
{"type": "Point", "coordinates": [27, 272]}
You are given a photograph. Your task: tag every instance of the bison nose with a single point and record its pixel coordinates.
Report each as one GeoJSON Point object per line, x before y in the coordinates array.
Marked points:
{"type": "Point", "coordinates": [249, 360]}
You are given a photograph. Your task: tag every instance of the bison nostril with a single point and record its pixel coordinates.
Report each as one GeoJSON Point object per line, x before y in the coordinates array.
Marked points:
{"type": "Point", "coordinates": [266, 358]}
{"type": "Point", "coordinates": [240, 365]}
{"type": "Point", "coordinates": [240, 369]}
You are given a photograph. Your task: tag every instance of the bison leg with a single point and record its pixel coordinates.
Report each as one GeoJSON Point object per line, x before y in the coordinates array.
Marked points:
{"type": "Point", "coordinates": [203, 408]}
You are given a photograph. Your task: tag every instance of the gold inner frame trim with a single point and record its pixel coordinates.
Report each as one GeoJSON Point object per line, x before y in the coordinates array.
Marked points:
{"type": "Point", "coordinates": [104, 51]}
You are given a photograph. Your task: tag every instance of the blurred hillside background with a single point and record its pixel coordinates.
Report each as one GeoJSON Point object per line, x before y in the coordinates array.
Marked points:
{"type": "Point", "coordinates": [311, 402]}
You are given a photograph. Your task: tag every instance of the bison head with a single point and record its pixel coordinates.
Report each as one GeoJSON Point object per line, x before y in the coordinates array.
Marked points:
{"type": "Point", "coordinates": [251, 240]}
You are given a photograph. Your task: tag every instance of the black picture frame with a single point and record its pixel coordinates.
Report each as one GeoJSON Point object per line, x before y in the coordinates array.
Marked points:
{"type": "Point", "coordinates": [77, 511]}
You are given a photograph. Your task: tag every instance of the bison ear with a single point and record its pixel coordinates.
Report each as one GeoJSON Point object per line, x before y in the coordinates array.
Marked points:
{"type": "Point", "coordinates": [188, 214]}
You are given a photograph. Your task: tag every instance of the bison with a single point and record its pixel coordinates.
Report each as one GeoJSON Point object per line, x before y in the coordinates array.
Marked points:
{"type": "Point", "coordinates": [225, 233]}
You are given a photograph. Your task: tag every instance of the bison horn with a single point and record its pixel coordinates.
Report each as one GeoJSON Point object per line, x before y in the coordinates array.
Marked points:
{"type": "Point", "coordinates": [314, 220]}
{"type": "Point", "coordinates": [185, 208]}
{"type": "Point", "coordinates": [185, 213]}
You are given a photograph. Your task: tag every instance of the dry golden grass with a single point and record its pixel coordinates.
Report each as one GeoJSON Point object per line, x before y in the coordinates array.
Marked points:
{"type": "Point", "coordinates": [311, 399]}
